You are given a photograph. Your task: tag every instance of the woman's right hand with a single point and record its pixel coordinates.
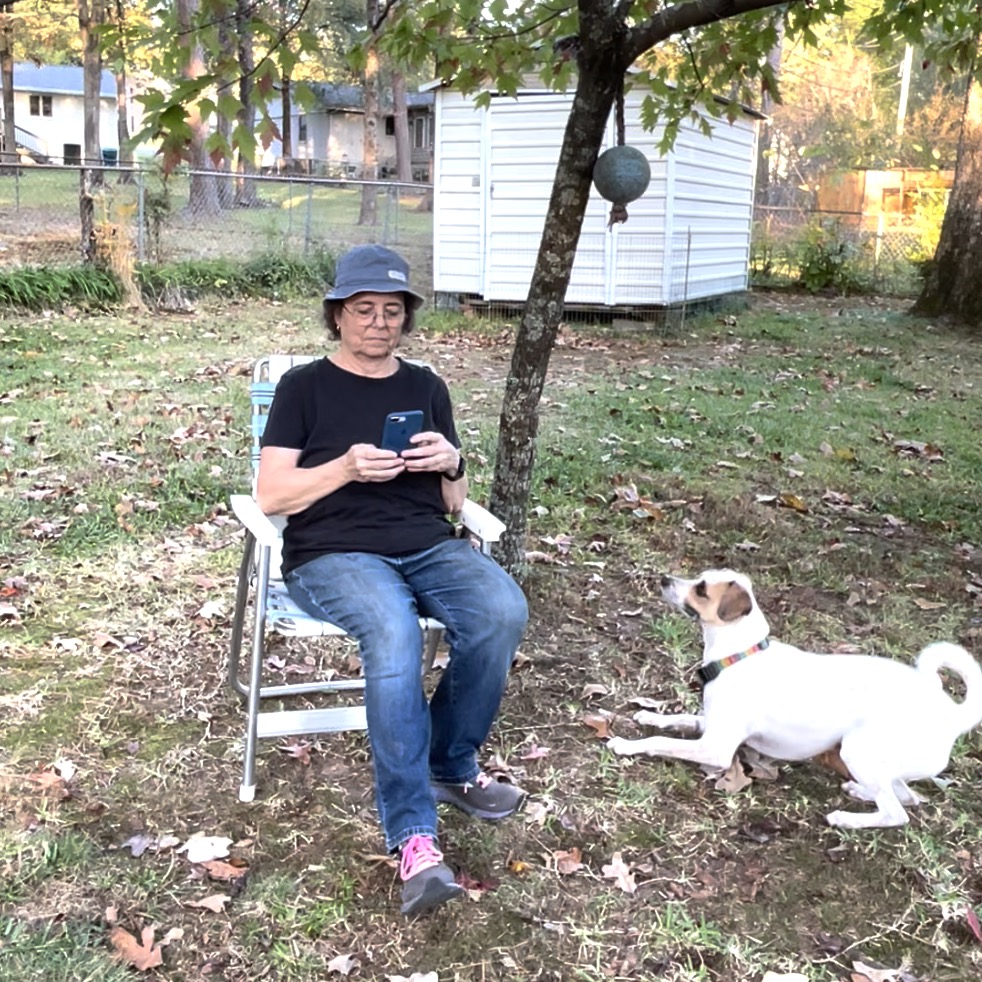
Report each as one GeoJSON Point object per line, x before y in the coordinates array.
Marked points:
{"type": "Point", "coordinates": [365, 463]}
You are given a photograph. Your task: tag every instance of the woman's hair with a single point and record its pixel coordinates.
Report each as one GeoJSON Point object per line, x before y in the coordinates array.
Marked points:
{"type": "Point", "coordinates": [333, 307]}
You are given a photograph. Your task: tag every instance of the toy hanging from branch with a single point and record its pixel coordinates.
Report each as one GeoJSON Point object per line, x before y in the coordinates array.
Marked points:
{"type": "Point", "coordinates": [621, 173]}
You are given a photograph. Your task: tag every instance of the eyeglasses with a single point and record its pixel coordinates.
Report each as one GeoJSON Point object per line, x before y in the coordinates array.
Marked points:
{"type": "Point", "coordinates": [391, 314]}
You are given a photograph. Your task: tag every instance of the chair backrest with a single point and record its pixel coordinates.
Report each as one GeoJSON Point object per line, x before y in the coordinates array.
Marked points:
{"type": "Point", "coordinates": [266, 373]}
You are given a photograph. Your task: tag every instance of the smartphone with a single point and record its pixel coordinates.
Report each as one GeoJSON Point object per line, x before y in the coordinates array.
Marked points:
{"type": "Point", "coordinates": [399, 427]}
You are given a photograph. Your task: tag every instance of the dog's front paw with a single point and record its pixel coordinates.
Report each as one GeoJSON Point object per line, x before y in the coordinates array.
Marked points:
{"type": "Point", "coordinates": [621, 746]}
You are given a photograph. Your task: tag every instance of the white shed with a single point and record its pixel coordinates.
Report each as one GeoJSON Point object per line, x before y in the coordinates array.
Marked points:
{"type": "Point", "coordinates": [686, 238]}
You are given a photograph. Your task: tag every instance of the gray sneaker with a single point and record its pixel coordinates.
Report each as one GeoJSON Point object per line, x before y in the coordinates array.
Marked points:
{"type": "Point", "coordinates": [427, 881]}
{"type": "Point", "coordinates": [484, 798]}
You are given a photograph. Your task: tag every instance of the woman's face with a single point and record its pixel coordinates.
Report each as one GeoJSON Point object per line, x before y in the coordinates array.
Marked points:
{"type": "Point", "coordinates": [371, 324]}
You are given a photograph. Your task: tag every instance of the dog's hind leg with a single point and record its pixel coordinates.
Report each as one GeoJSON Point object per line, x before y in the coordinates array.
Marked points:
{"type": "Point", "coordinates": [907, 795]}
{"type": "Point", "coordinates": [863, 756]}
{"type": "Point", "coordinates": [686, 722]}
{"type": "Point", "coordinates": [889, 813]}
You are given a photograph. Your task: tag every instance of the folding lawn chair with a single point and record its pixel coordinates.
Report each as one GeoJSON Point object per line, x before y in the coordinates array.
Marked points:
{"type": "Point", "coordinates": [261, 590]}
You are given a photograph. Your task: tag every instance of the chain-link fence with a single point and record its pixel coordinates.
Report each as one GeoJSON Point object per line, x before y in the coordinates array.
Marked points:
{"type": "Point", "coordinates": [191, 215]}
{"type": "Point", "coordinates": [143, 216]}
{"type": "Point", "coordinates": [875, 253]}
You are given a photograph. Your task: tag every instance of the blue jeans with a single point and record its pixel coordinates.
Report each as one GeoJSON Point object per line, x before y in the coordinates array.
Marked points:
{"type": "Point", "coordinates": [378, 600]}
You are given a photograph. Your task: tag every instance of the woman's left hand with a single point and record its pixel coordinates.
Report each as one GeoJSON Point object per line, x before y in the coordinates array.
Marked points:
{"type": "Point", "coordinates": [431, 452]}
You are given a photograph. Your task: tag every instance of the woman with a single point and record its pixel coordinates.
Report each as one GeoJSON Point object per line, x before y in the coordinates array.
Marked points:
{"type": "Point", "coordinates": [368, 546]}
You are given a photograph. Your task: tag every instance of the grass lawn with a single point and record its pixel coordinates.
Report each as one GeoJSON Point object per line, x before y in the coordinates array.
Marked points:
{"type": "Point", "coordinates": [829, 449]}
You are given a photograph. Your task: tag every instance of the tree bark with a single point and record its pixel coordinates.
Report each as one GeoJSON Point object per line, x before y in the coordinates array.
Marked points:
{"type": "Point", "coordinates": [91, 15]}
{"type": "Point", "coordinates": [202, 192]}
{"type": "Point", "coordinates": [245, 189]}
{"type": "Point", "coordinates": [951, 286]}
{"type": "Point", "coordinates": [368, 215]}
{"type": "Point", "coordinates": [404, 149]}
{"type": "Point", "coordinates": [122, 105]}
{"type": "Point", "coordinates": [519, 421]}
{"type": "Point", "coordinates": [8, 159]}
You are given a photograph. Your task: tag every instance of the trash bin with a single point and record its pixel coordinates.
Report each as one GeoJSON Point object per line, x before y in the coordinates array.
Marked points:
{"type": "Point", "coordinates": [110, 156]}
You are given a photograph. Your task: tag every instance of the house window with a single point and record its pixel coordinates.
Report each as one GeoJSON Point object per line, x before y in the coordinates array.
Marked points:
{"type": "Point", "coordinates": [302, 128]}
{"type": "Point", "coordinates": [40, 105]}
{"type": "Point", "coordinates": [390, 126]}
{"type": "Point", "coordinates": [421, 133]}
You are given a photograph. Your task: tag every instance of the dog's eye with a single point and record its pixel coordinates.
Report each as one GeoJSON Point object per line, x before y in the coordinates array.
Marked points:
{"type": "Point", "coordinates": [701, 589]}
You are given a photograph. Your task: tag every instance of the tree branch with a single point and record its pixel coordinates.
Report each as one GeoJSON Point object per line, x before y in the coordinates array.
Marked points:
{"type": "Point", "coordinates": [681, 16]}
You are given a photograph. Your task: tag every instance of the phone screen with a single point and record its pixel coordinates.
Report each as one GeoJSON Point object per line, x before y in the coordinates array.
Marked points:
{"type": "Point", "coordinates": [399, 427]}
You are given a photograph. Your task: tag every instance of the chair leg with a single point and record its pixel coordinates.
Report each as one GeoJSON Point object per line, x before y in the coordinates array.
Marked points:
{"type": "Point", "coordinates": [239, 615]}
{"type": "Point", "coordinates": [247, 790]}
{"type": "Point", "coordinates": [431, 641]}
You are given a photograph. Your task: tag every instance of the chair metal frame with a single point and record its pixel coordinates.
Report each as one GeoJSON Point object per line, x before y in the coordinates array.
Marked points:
{"type": "Point", "coordinates": [260, 586]}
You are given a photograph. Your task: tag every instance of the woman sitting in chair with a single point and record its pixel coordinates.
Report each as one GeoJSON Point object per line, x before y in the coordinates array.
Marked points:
{"type": "Point", "coordinates": [368, 546]}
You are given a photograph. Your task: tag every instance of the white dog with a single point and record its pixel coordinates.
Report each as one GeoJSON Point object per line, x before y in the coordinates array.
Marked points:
{"type": "Point", "coordinates": [890, 723]}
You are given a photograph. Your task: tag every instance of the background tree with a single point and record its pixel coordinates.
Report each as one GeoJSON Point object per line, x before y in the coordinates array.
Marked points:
{"type": "Point", "coordinates": [8, 158]}
{"type": "Point", "coordinates": [948, 33]}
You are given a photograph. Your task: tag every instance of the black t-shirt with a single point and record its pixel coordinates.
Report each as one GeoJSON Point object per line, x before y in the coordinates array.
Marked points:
{"type": "Point", "coordinates": [321, 410]}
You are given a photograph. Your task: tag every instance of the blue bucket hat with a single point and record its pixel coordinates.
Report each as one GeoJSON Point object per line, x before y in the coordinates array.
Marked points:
{"type": "Point", "coordinates": [372, 269]}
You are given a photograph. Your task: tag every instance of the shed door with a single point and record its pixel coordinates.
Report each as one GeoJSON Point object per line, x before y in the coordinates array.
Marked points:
{"type": "Point", "coordinates": [521, 148]}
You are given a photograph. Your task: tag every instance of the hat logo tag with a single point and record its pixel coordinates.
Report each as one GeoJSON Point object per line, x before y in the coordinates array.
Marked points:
{"type": "Point", "coordinates": [394, 274]}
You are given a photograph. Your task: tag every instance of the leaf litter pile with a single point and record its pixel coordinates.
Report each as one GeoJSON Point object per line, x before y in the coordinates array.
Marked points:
{"type": "Point", "coordinates": [123, 847]}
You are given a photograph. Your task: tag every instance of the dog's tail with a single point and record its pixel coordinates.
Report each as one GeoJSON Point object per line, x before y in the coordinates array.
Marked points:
{"type": "Point", "coordinates": [943, 654]}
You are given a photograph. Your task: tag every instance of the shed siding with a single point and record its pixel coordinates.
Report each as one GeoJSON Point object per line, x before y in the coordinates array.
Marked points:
{"type": "Point", "coordinates": [458, 179]}
{"type": "Point", "coordinates": [687, 237]}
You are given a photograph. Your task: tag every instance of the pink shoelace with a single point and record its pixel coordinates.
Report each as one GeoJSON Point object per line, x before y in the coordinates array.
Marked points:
{"type": "Point", "coordinates": [419, 853]}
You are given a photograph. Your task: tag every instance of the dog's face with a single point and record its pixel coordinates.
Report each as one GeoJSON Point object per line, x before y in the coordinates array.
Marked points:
{"type": "Point", "coordinates": [717, 597]}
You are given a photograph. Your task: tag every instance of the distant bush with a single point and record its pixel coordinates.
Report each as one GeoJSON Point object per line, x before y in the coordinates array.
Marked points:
{"type": "Point", "coordinates": [829, 258]}
{"type": "Point", "coordinates": [37, 288]}
{"type": "Point", "coordinates": [273, 276]}
{"type": "Point", "coordinates": [95, 287]}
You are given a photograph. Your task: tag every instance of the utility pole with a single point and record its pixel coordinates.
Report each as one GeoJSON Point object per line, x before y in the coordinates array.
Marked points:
{"type": "Point", "coordinates": [904, 88]}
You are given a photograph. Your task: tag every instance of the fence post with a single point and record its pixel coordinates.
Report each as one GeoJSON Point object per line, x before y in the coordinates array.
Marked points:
{"type": "Point", "coordinates": [141, 218]}
{"type": "Point", "coordinates": [308, 219]}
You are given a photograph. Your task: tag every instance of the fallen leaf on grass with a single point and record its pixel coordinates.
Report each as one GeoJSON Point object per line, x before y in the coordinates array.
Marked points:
{"type": "Point", "coordinates": [343, 964]}
{"type": "Point", "coordinates": [973, 924]}
{"type": "Point", "coordinates": [600, 725]}
{"type": "Point", "coordinates": [565, 861]}
{"type": "Point", "coordinates": [215, 903]}
{"type": "Point", "coordinates": [201, 848]}
{"type": "Point", "coordinates": [474, 887]}
{"type": "Point", "coordinates": [141, 954]}
{"type": "Point", "coordinates": [620, 872]}
{"type": "Point", "coordinates": [415, 977]}
{"type": "Point", "coordinates": [219, 870]}
{"type": "Point", "coordinates": [733, 779]}
{"type": "Point", "coordinates": [593, 689]}
{"type": "Point", "coordinates": [535, 752]}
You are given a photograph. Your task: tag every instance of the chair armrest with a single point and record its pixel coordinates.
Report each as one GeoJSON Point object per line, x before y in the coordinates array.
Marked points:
{"type": "Point", "coordinates": [477, 519]}
{"type": "Point", "coordinates": [255, 520]}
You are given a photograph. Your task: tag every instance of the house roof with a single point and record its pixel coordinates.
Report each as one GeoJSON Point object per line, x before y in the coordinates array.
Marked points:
{"type": "Point", "coordinates": [336, 97]}
{"type": "Point", "coordinates": [59, 80]}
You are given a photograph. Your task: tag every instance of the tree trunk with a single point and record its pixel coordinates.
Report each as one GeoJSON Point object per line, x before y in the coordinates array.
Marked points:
{"type": "Point", "coordinates": [122, 104]}
{"type": "Point", "coordinates": [951, 286]}
{"type": "Point", "coordinates": [286, 104]}
{"type": "Point", "coordinates": [763, 183]}
{"type": "Point", "coordinates": [8, 159]}
{"type": "Point", "coordinates": [228, 49]}
{"type": "Point", "coordinates": [404, 149]}
{"type": "Point", "coordinates": [91, 16]}
{"type": "Point", "coordinates": [519, 421]}
{"type": "Point", "coordinates": [202, 191]}
{"type": "Point", "coordinates": [369, 169]}
{"type": "Point", "coordinates": [245, 189]}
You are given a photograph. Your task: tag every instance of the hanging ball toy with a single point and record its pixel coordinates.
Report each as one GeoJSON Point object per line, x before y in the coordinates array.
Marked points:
{"type": "Point", "coordinates": [621, 174]}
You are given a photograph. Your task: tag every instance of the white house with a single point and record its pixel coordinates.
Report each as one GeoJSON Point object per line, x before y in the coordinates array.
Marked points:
{"type": "Point", "coordinates": [328, 136]}
{"type": "Point", "coordinates": [48, 112]}
{"type": "Point", "coordinates": [686, 238]}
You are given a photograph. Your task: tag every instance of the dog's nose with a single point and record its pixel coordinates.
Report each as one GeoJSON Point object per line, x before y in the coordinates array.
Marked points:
{"type": "Point", "coordinates": [666, 580]}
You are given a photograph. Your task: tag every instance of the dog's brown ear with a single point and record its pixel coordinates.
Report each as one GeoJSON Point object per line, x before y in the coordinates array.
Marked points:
{"type": "Point", "coordinates": [734, 603]}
